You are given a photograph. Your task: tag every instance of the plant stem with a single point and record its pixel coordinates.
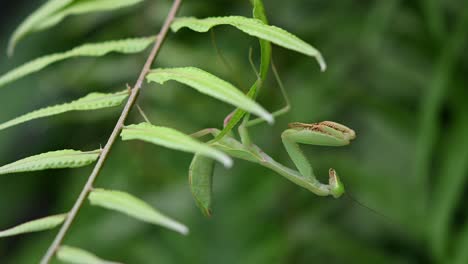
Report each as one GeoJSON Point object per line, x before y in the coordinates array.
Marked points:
{"type": "Point", "coordinates": [115, 133]}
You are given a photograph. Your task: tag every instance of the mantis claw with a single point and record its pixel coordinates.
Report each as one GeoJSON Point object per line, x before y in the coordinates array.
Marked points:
{"type": "Point", "coordinates": [336, 186]}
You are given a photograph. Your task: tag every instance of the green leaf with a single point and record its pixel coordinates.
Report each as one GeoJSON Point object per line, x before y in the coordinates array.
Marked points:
{"type": "Point", "coordinates": [173, 139]}
{"type": "Point", "coordinates": [41, 224]}
{"type": "Point", "coordinates": [52, 160]}
{"type": "Point", "coordinates": [75, 255]}
{"type": "Point", "coordinates": [265, 46]}
{"type": "Point", "coordinates": [211, 85]}
{"type": "Point", "coordinates": [253, 27]}
{"type": "Point", "coordinates": [134, 207]}
{"type": "Point", "coordinates": [126, 46]}
{"type": "Point", "coordinates": [83, 7]}
{"type": "Point", "coordinates": [460, 243]}
{"type": "Point", "coordinates": [91, 101]}
{"type": "Point", "coordinates": [201, 182]}
{"type": "Point", "coordinates": [54, 11]}
{"type": "Point", "coordinates": [449, 186]}
{"type": "Point", "coordinates": [32, 20]}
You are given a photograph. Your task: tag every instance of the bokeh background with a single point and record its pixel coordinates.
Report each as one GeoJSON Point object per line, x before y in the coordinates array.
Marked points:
{"type": "Point", "coordinates": [397, 75]}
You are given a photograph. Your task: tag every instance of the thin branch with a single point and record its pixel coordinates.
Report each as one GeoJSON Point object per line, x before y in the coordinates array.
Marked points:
{"type": "Point", "coordinates": [115, 133]}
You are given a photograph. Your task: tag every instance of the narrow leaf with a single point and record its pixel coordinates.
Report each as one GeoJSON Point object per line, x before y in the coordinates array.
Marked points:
{"type": "Point", "coordinates": [125, 46]}
{"type": "Point", "coordinates": [253, 27]}
{"type": "Point", "coordinates": [265, 46]}
{"type": "Point", "coordinates": [52, 160]}
{"type": "Point", "coordinates": [41, 224]}
{"type": "Point", "coordinates": [54, 11]}
{"type": "Point", "coordinates": [91, 101]}
{"type": "Point", "coordinates": [201, 182]}
{"type": "Point", "coordinates": [83, 7]}
{"type": "Point", "coordinates": [211, 85]}
{"type": "Point", "coordinates": [31, 21]}
{"type": "Point", "coordinates": [75, 255]}
{"type": "Point", "coordinates": [134, 207]}
{"type": "Point", "coordinates": [173, 139]}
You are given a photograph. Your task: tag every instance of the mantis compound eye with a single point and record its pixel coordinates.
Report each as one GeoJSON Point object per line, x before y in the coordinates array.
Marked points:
{"type": "Point", "coordinates": [342, 130]}
{"type": "Point", "coordinates": [336, 186]}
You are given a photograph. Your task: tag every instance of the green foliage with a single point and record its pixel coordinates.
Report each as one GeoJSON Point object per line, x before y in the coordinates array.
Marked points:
{"type": "Point", "coordinates": [35, 18]}
{"type": "Point", "coordinates": [59, 159]}
{"type": "Point", "coordinates": [134, 207]}
{"type": "Point", "coordinates": [37, 225]}
{"type": "Point", "coordinates": [201, 182]}
{"type": "Point", "coordinates": [396, 74]}
{"type": "Point", "coordinates": [211, 85]}
{"type": "Point", "coordinates": [54, 11]}
{"type": "Point", "coordinates": [173, 139]}
{"type": "Point", "coordinates": [91, 101]}
{"type": "Point", "coordinates": [253, 27]}
{"type": "Point", "coordinates": [75, 255]}
{"type": "Point", "coordinates": [126, 46]}
{"type": "Point", "coordinates": [83, 7]}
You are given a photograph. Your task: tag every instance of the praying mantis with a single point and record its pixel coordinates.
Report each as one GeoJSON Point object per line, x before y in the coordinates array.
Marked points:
{"type": "Point", "coordinates": [326, 133]}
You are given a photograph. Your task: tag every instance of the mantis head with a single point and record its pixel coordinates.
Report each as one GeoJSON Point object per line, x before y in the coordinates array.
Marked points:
{"type": "Point", "coordinates": [325, 133]}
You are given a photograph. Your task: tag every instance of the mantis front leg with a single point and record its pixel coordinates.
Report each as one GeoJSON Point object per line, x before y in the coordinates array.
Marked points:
{"type": "Point", "coordinates": [325, 133]}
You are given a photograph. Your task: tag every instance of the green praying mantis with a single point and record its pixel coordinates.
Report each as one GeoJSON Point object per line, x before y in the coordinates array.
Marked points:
{"type": "Point", "coordinates": [326, 133]}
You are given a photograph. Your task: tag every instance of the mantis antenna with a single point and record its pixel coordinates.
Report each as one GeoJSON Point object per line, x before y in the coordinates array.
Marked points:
{"type": "Point", "coordinates": [223, 59]}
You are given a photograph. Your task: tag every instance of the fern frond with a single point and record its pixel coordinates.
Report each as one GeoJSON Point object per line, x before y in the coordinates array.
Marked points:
{"type": "Point", "coordinates": [91, 101]}
{"type": "Point", "coordinates": [32, 20]}
{"type": "Point", "coordinates": [54, 11]}
{"type": "Point", "coordinates": [134, 207]}
{"type": "Point", "coordinates": [126, 46]}
{"type": "Point", "coordinates": [75, 255]}
{"type": "Point", "coordinates": [173, 139]}
{"type": "Point", "coordinates": [37, 225]}
{"type": "Point", "coordinates": [253, 27]}
{"type": "Point", "coordinates": [211, 85]}
{"type": "Point", "coordinates": [52, 160]}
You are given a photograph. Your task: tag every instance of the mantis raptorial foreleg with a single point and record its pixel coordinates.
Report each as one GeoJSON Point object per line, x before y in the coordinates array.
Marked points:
{"type": "Point", "coordinates": [325, 133]}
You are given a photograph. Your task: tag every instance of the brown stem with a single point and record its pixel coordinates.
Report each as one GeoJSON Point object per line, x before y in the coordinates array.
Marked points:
{"type": "Point", "coordinates": [115, 133]}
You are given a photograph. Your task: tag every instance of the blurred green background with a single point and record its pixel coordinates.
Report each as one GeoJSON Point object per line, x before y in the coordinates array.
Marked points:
{"type": "Point", "coordinates": [397, 75]}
